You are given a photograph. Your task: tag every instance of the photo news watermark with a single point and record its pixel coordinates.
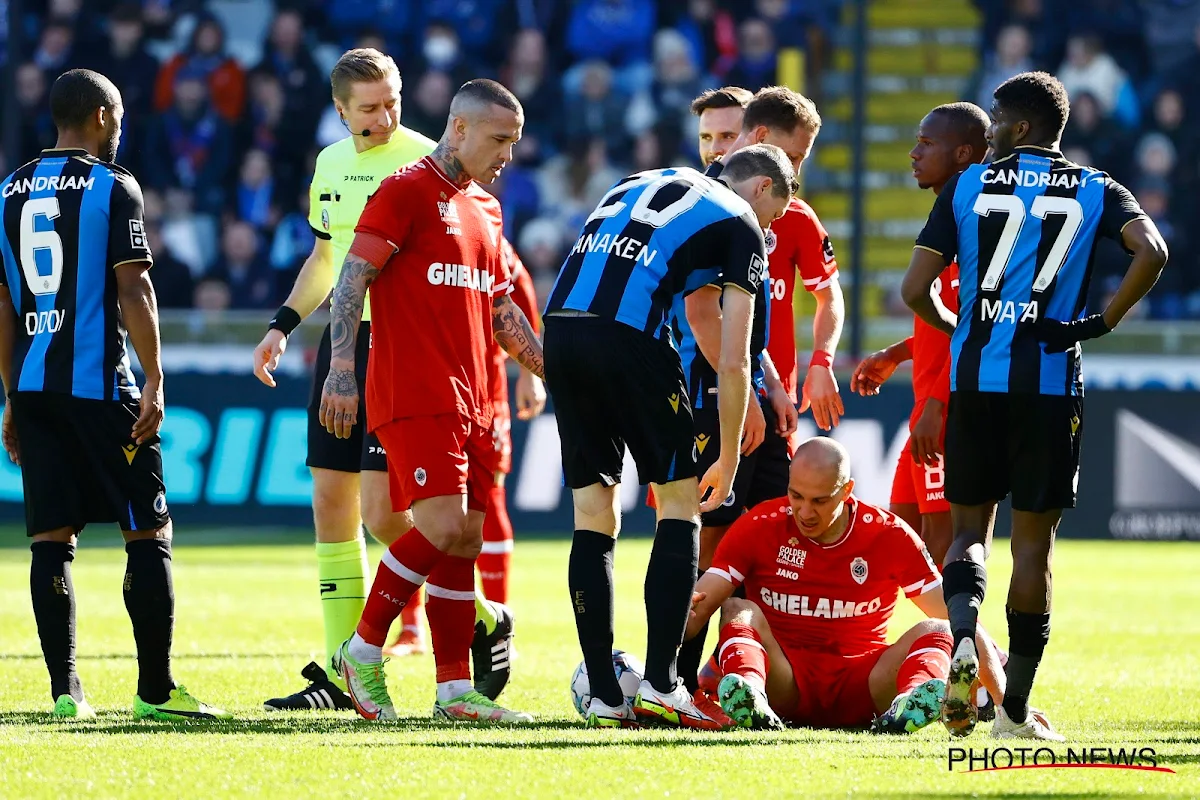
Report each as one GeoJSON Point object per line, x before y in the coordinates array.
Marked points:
{"type": "Point", "coordinates": [993, 759]}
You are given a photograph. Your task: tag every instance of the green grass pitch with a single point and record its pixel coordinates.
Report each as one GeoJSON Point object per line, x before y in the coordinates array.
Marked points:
{"type": "Point", "coordinates": [1123, 669]}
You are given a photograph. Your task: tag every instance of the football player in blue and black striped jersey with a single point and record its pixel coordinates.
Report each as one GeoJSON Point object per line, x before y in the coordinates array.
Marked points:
{"type": "Point", "coordinates": [74, 287]}
{"type": "Point", "coordinates": [1023, 228]}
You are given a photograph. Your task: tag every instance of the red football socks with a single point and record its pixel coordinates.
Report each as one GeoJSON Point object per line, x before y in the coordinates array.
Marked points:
{"type": "Point", "coordinates": [450, 607]}
{"type": "Point", "coordinates": [412, 615]}
{"type": "Point", "coordinates": [494, 560]}
{"type": "Point", "coordinates": [740, 650]}
{"type": "Point", "coordinates": [929, 657]}
{"type": "Point", "coordinates": [404, 567]}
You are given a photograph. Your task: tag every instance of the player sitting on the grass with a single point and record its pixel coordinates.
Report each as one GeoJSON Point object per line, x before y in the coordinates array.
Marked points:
{"type": "Point", "coordinates": [809, 644]}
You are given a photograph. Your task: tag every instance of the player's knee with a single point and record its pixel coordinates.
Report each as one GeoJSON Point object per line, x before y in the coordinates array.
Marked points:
{"type": "Point", "coordinates": [385, 525]}
{"type": "Point", "coordinates": [447, 532]}
{"type": "Point", "coordinates": [931, 626]}
{"type": "Point", "coordinates": [165, 533]}
{"type": "Point", "coordinates": [741, 611]}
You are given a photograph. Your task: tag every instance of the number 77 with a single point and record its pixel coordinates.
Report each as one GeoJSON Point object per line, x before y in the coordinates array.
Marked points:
{"type": "Point", "coordinates": [1014, 209]}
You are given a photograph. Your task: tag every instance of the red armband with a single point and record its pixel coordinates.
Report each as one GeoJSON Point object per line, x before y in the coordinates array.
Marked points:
{"type": "Point", "coordinates": [821, 359]}
{"type": "Point", "coordinates": [375, 250]}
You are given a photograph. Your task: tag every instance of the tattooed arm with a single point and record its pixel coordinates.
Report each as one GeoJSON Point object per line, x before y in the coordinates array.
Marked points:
{"type": "Point", "coordinates": [339, 397]}
{"type": "Point", "coordinates": [514, 333]}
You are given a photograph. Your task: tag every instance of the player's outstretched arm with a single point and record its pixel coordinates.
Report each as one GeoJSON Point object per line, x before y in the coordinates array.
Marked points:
{"type": "Point", "coordinates": [711, 591]}
{"type": "Point", "coordinates": [308, 292]}
{"type": "Point", "coordinates": [733, 391]}
{"type": "Point", "coordinates": [917, 289]}
{"type": "Point", "coordinates": [8, 335]}
{"type": "Point", "coordinates": [820, 390]}
{"type": "Point", "coordinates": [139, 312]}
{"type": "Point", "coordinates": [515, 334]}
{"type": "Point", "coordinates": [339, 397]}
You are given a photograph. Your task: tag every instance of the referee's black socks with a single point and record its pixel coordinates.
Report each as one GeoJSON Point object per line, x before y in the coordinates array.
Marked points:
{"type": "Point", "coordinates": [964, 584]}
{"type": "Point", "coordinates": [150, 601]}
{"type": "Point", "coordinates": [1027, 638]}
{"type": "Point", "coordinates": [53, 596]}
{"type": "Point", "coordinates": [590, 578]}
{"type": "Point", "coordinates": [670, 581]}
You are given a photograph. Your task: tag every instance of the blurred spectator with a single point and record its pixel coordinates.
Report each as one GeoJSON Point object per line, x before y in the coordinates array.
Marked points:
{"type": "Point", "coordinates": [1172, 33]}
{"type": "Point", "coordinates": [54, 50]}
{"type": "Point", "coordinates": [1012, 56]}
{"type": "Point", "coordinates": [713, 34]}
{"type": "Point", "coordinates": [1105, 140]}
{"type": "Point", "coordinates": [212, 294]}
{"type": "Point", "coordinates": [85, 23]}
{"type": "Point", "coordinates": [666, 104]}
{"type": "Point", "coordinates": [597, 111]}
{"type": "Point", "coordinates": [244, 268]}
{"type": "Point", "coordinates": [1167, 297]}
{"type": "Point", "coordinates": [526, 75]}
{"type": "Point", "coordinates": [517, 187]}
{"type": "Point", "coordinates": [441, 51]}
{"type": "Point", "coordinates": [616, 31]}
{"type": "Point", "coordinates": [577, 179]}
{"type": "Point", "coordinates": [429, 107]}
{"type": "Point", "coordinates": [1118, 24]}
{"type": "Point", "coordinates": [160, 15]}
{"type": "Point", "coordinates": [647, 152]}
{"type": "Point", "coordinates": [293, 241]}
{"type": "Point", "coordinates": [1089, 69]}
{"type": "Point", "coordinates": [305, 90]}
{"type": "Point", "coordinates": [173, 282]}
{"type": "Point", "coordinates": [474, 23]}
{"type": "Point", "coordinates": [205, 57]}
{"type": "Point", "coordinates": [756, 64]}
{"type": "Point", "coordinates": [189, 146]}
{"type": "Point", "coordinates": [541, 248]}
{"type": "Point", "coordinates": [37, 130]}
{"type": "Point", "coordinates": [127, 63]}
{"type": "Point", "coordinates": [254, 193]}
{"type": "Point", "coordinates": [1186, 76]}
{"type": "Point", "coordinates": [1155, 156]}
{"type": "Point", "coordinates": [393, 19]}
{"type": "Point", "coordinates": [264, 127]}
{"type": "Point", "coordinates": [1044, 20]}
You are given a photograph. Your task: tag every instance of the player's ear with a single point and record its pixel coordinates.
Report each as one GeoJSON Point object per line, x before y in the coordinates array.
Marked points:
{"type": "Point", "coordinates": [848, 488]}
{"type": "Point", "coordinates": [760, 134]}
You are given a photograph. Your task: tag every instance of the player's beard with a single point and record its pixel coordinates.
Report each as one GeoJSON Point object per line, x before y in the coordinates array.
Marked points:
{"type": "Point", "coordinates": [108, 152]}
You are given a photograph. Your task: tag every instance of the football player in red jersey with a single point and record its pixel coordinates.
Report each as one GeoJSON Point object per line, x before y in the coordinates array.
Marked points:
{"type": "Point", "coordinates": [429, 245]}
{"type": "Point", "coordinates": [822, 570]}
{"type": "Point", "coordinates": [949, 139]}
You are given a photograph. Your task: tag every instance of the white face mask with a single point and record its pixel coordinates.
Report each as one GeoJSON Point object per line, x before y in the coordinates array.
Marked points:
{"type": "Point", "coordinates": [440, 50]}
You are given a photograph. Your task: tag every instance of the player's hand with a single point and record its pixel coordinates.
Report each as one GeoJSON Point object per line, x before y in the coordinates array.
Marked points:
{"type": "Point", "coordinates": [755, 428]}
{"type": "Point", "coordinates": [821, 394]}
{"type": "Point", "coordinates": [925, 443]}
{"type": "Point", "coordinates": [267, 355]}
{"type": "Point", "coordinates": [10, 436]}
{"type": "Point", "coordinates": [786, 416]}
{"type": "Point", "coordinates": [872, 372]}
{"type": "Point", "coordinates": [151, 416]}
{"type": "Point", "coordinates": [1059, 336]}
{"type": "Point", "coordinates": [697, 599]}
{"type": "Point", "coordinates": [718, 484]}
{"type": "Point", "coordinates": [339, 402]}
{"type": "Point", "coordinates": [531, 395]}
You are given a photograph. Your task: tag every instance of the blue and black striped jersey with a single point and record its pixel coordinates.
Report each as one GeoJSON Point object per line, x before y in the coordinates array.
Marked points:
{"type": "Point", "coordinates": [654, 236]}
{"type": "Point", "coordinates": [70, 219]}
{"type": "Point", "coordinates": [1023, 229]}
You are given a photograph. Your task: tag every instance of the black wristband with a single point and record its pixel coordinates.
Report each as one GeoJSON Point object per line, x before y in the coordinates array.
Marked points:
{"type": "Point", "coordinates": [285, 320]}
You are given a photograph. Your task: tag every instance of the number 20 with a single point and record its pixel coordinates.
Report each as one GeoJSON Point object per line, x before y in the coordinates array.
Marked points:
{"type": "Point", "coordinates": [1014, 210]}
{"type": "Point", "coordinates": [641, 211]}
{"type": "Point", "coordinates": [33, 240]}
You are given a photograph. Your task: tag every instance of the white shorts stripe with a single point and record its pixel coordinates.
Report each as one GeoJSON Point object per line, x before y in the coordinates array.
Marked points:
{"type": "Point", "coordinates": [912, 587]}
{"type": "Point", "coordinates": [449, 594]}
{"type": "Point", "coordinates": [738, 640]}
{"type": "Point", "coordinates": [929, 587]}
{"type": "Point", "coordinates": [502, 546]}
{"type": "Point", "coordinates": [395, 566]}
{"type": "Point", "coordinates": [925, 650]}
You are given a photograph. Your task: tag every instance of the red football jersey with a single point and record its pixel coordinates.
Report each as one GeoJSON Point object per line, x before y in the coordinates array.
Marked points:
{"type": "Point", "coordinates": [525, 297]}
{"type": "Point", "coordinates": [797, 241]}
{"type": "Point", "coordinates": [931, 349]}
{"type": "Point", "coordinates": [836, 597]}
{"type": "Point", "coordinates": [431, 304]}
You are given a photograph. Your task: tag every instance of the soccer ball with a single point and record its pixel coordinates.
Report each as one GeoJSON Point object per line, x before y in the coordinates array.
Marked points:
{"type": "Point", "coordinates": [629, 674]}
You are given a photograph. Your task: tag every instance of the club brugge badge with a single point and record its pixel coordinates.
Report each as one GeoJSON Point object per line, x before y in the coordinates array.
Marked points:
{"type": "Point", "coordinates": [858, 570]}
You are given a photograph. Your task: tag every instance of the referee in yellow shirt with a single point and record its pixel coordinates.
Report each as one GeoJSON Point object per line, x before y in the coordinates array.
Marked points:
{"type": "Point", "coordinates": [350, 482]}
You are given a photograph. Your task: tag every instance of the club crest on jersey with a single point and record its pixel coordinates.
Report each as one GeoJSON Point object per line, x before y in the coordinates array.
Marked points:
{"type": "Point", "coordinates": [325, 218]}
{"type": "Point", "coordinates": [858, 570]}
{"type": "Point", "coordinates": [160, 504]}
{"type": "Point", "coordinates": [771, 239]}
{"type": "Point", "coordinates": [420, 476]}
{"type": "Point", "coordinates": [729, 501]}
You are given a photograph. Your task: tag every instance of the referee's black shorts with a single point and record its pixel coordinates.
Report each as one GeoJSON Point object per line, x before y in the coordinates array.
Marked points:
{"type": "Point", "coordinates": [79, 464]}
{"type": "Point", "coordinates": [1023, 444]}
{"type": "Point", "coordinates": [613, 386]}
{"type": "Point", "coordinates": [362, 451]}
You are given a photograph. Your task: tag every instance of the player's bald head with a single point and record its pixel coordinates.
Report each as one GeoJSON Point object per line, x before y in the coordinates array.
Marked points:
{"type": "Point", "coordinates": [963, 124]}
{"type": "Point", "coordinates": [824, 459]}
{"type": "Point", "coordinates": [478, 100]}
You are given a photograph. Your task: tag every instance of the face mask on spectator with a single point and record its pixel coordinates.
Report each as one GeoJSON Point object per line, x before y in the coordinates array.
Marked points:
{"type": "Point", "coordinates": [440, 51]}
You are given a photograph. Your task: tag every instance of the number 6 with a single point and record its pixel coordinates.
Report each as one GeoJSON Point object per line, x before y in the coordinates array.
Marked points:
{"type": "Point", "coordinates": [33, 240]}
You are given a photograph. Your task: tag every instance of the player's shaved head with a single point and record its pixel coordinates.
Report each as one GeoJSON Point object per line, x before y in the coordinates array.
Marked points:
{"type": "Point", "coordinates": [965, 123]}
{"type": "Point", "coordinates": [823, 457]}
{"type": "Point", "coordinates": [475, 100]}
{"type": "Point", "coordinates": [76, 96]}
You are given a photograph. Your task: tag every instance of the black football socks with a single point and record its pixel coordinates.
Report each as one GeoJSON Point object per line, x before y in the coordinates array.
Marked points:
{"type": "Point", "coordinates": [590, 578]}
{"type": "Point", "coordinates": [53, 596]}
{"type": "Point", "coordinates": [964, 584]}
{"type": "Point", "coordinates": [150, 601]}
{"type": "Point", "coordinates": [670, 582]}
{"type": "Point", "coordinates": [1027, 638]}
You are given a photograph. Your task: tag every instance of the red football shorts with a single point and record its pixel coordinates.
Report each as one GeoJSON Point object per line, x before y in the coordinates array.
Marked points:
{"type": "Point", "coordinates": [922, 485]}
{"type": "Point", "coordinates": [436, 456]}
{"type": "Point", "coordinates": [835, 690]}
{"type": "Point", "coordinates": [501, 438]}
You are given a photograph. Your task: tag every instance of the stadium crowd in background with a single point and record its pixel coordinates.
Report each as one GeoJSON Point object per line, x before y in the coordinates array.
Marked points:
{"type": "Point", "coordinates": [225, 119]}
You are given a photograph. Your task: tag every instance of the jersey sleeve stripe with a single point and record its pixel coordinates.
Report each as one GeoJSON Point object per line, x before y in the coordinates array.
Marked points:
{"type": "Point", "coordinates": [148, 258]}
{"type": "Point", "coordinates": [922, 587]}
{"type": "Point", "coordinates": [1135, 219]}
{"type": "Point", "coordinates": [817, 284]}
{"type": "Point", "coordinates": [720, 573]}
{"type": "Point", "coordinates": [320, 234]}
{"type": "Point", "coordinates": [930, 249]}
{"type": "Point", "coordinates": [739, 577]}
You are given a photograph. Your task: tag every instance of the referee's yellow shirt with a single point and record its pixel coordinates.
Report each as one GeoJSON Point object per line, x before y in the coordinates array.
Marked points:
{"type": "Point", "coordinates": [343, 181]}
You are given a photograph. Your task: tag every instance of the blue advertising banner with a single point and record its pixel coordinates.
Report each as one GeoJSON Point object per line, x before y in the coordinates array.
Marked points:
{"type": "Point", "coordinates": [233, 453]}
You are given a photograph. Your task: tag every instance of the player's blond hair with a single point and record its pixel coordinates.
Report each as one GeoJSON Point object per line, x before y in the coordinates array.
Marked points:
{"type": "Point", "coordinates": [360, 65]}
